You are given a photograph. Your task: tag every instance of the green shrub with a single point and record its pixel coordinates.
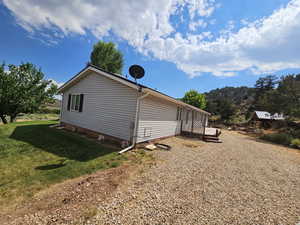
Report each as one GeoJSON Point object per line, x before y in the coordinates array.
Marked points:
{"type": "Point", "coordinates": [295, 133]}
{"type": "Point", "coordinates": [114, 164]}
{"type": "Point", "coordinates": [296, 142]}
{"type": "Point", "coordinates": [278, 138]}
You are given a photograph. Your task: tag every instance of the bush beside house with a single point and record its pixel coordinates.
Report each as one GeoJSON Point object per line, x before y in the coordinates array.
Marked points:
{"type": "Point", "coordinates": [287, 138]}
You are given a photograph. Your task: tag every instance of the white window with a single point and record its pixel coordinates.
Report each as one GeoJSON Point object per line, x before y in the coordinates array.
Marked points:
{"type": "Point", "coordinates": [75, 102]}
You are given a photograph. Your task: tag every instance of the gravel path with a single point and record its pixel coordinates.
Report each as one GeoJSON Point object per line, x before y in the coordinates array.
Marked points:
{"type": "Point", "coordinates": [241, 181]}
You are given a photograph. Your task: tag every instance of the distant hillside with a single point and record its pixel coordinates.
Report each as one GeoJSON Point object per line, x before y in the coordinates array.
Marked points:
{"type": "Point", "coordinates": [52, 108]}
{"type": "Point", "coordinates": [56, 104]}
{"type": "Point", "coordinates": [237, 95]}
{"type": "Point", "coordinates": [237, 99]}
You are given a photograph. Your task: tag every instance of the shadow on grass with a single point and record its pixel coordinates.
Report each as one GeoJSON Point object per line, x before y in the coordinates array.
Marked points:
{"type": "Point", "coordinates": [49, 167]}
{"type": "Point", "coordinates": [58, 142]}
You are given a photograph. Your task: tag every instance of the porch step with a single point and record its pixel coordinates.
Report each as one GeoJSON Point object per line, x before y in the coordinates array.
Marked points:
{"type": "Point", "coordinates": [212, 139]}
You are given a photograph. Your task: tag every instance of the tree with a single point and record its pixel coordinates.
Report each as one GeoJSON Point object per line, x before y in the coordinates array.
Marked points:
{"type": "Point", "coordinates": [282, 98]}
{"type": "Point", "coordinates": [223, 107]}
{"type": "Point", "coordinates": [23, 90]}
{"type": "Point", "coordinates": [195, 98]}
{"type": "Point", "coordinates": [266, 83]}
{"type": "Point", "coordinates": [287, 100]}
{"type": "Point", "coordinates": [106, 56]}
{"type": "Point", "coordinates": [268, 101]}
{"type": "Point", "coordinates": [3, 90]}
{"type": "Point", "coordinates": [230, 103]}
{"type": "Point", "coordinates": [265, 88]}
{"type": "Point", "coordinates": [226, 109]}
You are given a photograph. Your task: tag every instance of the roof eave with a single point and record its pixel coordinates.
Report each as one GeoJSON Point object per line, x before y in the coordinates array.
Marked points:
{"type": "Point", "coordinates": [89, 68]}
{"type": "Point", "coordinates": [157, 94]}
{"type": "Point", "coordinates": [116, 77]}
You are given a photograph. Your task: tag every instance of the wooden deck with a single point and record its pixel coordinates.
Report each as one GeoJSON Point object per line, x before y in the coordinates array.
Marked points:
{"type": "Point", "coordinates": [211, 131]}
{"type": "Point", "coordinates": [212, 135]}
{"type": "Point", "coordinates": [209, 135]}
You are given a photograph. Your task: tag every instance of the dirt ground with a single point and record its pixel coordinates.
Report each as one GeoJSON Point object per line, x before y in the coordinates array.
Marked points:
{"type": "Point", "coordinates": [61, 203]}
{"type": "Point", "coordinates": [75, 199]}
{"type": "Point", "coordinates": [241, 181]}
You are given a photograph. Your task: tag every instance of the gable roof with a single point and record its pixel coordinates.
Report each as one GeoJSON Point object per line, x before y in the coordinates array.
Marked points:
{"type": "Point", "coordinates": [91, 68]}
{"type": "Point", "coordinates": [268, 116]}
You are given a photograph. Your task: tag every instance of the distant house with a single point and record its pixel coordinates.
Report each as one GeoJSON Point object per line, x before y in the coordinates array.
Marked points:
{"type": "Point", "coordinates": [263, 115]}
{"type": "Point", "coordinates": [265, 119]}
{"type": "Point", "coordinates": [111, 106]}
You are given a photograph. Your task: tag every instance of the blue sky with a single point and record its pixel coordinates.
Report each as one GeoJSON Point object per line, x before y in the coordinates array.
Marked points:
{"type": "Point", "coordinates": [182, 44]}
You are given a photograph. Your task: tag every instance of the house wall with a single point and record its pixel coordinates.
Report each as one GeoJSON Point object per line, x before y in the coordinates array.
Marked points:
{"type": "Point", "coordinates": [157, 119]}
{"type": "Point", "coordinates": [108, 106]}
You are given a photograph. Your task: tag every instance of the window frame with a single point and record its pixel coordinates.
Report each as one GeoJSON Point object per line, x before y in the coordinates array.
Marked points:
{"type": "Point", "coordinates": [75, 102]}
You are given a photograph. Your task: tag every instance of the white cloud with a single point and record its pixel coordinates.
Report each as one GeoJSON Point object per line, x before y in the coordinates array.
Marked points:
{"type": "Point", "coordinates": [194, 25]}
{"type": "Point", "coordinates": [58, 84]}
{"type": "Point", "coordinates": [265, 45]}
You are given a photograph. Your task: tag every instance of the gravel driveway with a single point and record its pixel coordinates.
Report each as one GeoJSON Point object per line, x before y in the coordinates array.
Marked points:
{"type": "Point", "coordinates": [240, 181]}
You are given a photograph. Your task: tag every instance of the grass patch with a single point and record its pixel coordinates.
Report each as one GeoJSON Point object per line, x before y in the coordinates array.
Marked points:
{"type": "Point", "coordinates": [296, 143]}
{"type": "Point", "coordinates": [35, 116]}
{"type": "Point", "coordinates": [34, 156]}
{"type": "Point", "coordinates": [38, 116]}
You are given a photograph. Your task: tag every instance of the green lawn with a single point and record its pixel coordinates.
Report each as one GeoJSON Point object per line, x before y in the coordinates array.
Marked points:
{"type": "Point", "coordinates": [34, 156]}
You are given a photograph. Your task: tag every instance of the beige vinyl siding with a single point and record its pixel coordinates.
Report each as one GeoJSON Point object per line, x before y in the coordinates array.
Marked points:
{"type": "Point", "coordinates": [108, 106]}
{"type": "Point", "coordinates": [157, 119]}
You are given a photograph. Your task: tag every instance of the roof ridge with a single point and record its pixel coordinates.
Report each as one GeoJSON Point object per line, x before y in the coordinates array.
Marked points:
{"type": "Point", "coordinates": [131, 82]}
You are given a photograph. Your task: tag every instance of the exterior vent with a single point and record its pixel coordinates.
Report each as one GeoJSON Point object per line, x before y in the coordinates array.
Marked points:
{"type": "Point", "coordinates": [147, 131]}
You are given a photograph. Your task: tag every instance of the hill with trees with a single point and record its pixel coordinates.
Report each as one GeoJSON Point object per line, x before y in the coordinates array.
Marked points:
{"type": "Point", "coordinates": [270, 93]}
{"type": "Point", "coordinates": [230, 104]}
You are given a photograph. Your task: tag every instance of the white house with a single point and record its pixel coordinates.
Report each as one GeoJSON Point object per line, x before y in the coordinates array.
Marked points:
{"type": "Point", "coordinates": [263, 115]}
{"type": "Point", "coordinates": [115, 107]}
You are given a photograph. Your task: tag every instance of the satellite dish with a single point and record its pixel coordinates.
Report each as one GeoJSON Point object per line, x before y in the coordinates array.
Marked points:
{"type": "Point", "coordinates": [136, 71]}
